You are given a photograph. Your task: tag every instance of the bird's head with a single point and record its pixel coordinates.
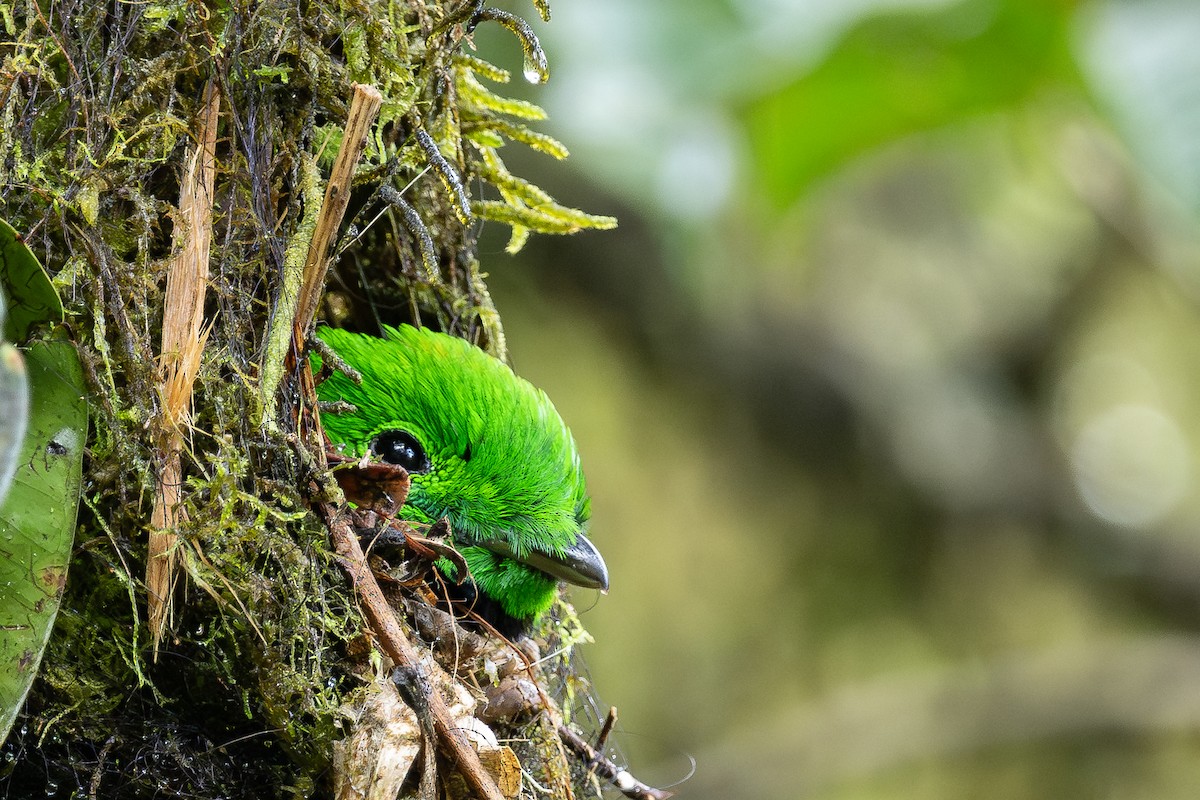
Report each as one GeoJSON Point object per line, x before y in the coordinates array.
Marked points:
{"type": "Point", "coordinates": [484, 449]}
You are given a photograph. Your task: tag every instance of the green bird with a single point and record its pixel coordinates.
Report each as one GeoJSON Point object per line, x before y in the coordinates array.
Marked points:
{"type": "Point", "coordinates": [484, 449]}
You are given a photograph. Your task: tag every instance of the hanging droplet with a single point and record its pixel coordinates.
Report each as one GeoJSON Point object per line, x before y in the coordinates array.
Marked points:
{"type": "Point", "coordinates": [535, 75]}
{"type": "Point", "coordinates": [536, 70]}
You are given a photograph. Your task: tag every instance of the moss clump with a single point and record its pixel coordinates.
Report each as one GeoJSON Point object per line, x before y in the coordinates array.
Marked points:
{"type": "Point", "coordinates": [98, 111]}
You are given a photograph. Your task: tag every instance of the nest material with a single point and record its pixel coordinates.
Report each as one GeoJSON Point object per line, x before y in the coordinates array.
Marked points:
{"type": "Point", "coordinates": [120, 172]}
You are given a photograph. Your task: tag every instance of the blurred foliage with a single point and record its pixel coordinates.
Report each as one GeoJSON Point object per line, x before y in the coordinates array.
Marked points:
{"type": "Point", "coordinates": [892, 434]}
{"type": "Point", "coordinates": [893, 75]}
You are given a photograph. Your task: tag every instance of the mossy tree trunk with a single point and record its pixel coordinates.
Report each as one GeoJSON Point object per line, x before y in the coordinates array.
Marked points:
{"type": "Point", "coordinates": [103, 113]}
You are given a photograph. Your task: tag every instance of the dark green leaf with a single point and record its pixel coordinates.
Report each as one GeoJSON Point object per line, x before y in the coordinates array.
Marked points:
{"type": "Point", "coordinates": [27, 288]}
{"type": "Point", "coordinates": [37, 519]}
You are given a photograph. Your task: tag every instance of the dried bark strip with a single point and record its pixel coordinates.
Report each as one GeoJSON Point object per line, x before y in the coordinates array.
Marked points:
{"type": "Point", "coordinates": [183, 338]}
{"type": "Point", "coordinates": [364, 105]}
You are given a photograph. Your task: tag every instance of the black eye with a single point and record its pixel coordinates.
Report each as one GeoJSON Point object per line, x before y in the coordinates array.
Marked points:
{"type": "Point", "coordinates": [402, 449]}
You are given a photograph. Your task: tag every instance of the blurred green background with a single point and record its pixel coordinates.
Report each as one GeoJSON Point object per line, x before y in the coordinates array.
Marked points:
{"type": "Point", "coordinates": [887, 387]}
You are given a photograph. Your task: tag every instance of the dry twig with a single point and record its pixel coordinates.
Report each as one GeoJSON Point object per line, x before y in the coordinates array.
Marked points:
{"type": "Point", "coordinates": [394, 643]}
{"type": "Point", "coordinates": [364, 105]}
{"type": "Point", "coordinates": [379, 615]}
{"type": "Point", "coordinates": [628, 785]}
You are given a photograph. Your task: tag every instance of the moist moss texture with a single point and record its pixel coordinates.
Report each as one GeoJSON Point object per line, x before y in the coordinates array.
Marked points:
{"type": "Point", "coordinates": [99, 111]}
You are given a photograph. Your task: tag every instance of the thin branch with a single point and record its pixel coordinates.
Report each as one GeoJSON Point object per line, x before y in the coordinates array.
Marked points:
{"type": "Point", "coordinates": [394, 643]}
{"type": "Point", "coordinates": [626, 783]}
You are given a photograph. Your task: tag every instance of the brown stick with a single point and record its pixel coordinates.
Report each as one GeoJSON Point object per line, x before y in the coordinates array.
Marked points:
{"type": "Point", "coordinates": [182, 346]}
{"type": "Point", "coordinates": [626, 783]}
{"type": "Point", "coordinates": [394, 642]}
{"type": "Point", "coordinates": [609, 723]}
{"type": "Point", "coordinates": [364, 105]}
{"type": "Point", "coordinates": [380, 617]}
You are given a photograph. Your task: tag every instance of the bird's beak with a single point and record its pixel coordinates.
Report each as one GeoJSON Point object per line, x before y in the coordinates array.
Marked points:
{"type": "Point", "coordinates": [580, 564]}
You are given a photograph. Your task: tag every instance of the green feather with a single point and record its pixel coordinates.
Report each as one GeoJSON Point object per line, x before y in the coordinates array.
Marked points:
{"type": "Point", "coordinates": [503, 463]}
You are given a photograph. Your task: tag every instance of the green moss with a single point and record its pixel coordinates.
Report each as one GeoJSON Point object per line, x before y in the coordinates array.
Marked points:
{"type": "Point", "coordinates": [97, 114]}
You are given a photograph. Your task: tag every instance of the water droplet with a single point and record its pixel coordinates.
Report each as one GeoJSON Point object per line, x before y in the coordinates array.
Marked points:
{"type": "Point", "coordinates": [535, 72]}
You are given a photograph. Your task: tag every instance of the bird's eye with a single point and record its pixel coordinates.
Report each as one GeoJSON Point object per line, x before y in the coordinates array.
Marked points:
{"type": "Point", "coordinates": [402, 449]}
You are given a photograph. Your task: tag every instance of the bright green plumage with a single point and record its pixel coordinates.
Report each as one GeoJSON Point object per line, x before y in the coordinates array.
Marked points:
{"type": "Point", "coordinates": [502, 466]}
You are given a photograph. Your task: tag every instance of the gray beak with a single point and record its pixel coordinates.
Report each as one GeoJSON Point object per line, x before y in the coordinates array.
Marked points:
{"type": "Point", "coordinates": [580, 564]}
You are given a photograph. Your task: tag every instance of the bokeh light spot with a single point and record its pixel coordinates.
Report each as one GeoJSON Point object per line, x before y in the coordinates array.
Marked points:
{"type": "Point", "coordinates": [1131, 465]}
